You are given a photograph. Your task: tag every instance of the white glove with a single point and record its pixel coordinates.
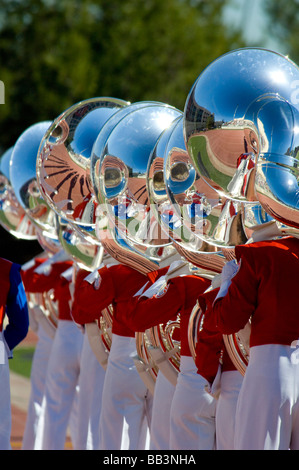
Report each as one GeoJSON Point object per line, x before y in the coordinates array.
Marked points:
{"type": "Point", "coordinates": [154, 289]}
{"type": "Point", "coordinates": [139, 293]}
{"type": "Point", "coordinates": [216, 281]}
{"type": "Point", "coordinates": [228, 272]}
{"type": "Point", "coordinates": [178, 268]}
{"type": "Point", "coordinates": [46, 266]}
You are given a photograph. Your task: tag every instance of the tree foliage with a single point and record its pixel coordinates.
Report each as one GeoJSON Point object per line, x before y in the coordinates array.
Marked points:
{"type": "Point", "coordinates": [56, 53]}
{"type": "Point", "coordinates": [283, 23]}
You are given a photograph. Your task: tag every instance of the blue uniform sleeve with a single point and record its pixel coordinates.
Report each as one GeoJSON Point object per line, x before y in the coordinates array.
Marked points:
{"type": "Point", "coordinates": [16, 309]}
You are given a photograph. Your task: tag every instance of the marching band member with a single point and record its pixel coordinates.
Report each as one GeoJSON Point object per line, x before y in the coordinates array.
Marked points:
{"type": "Point", "coordinates": [192, 414]}
{"type": "Point", "coordinates": [160, 424]}
{"type": "Point", "coordinates": [263, 288]}
{"type": "Point", "coordinates": [14, 306]}
{"type": "Point", "coordinates": [60, 402]}
{"type": "Point", "coordinates": [40, 357]}
{"type": "Point", "coordinates": [226, 382]}
{"type": "Point", "coordinates": [91, 381]}
{"type": "Point", "coordinates": [125, 416]}
{"type": "Point", "coordinates": [230, 384]}
{"type": "Point", "coordinates": [163, 391]}
{"type": "Point", "coordinates": [60, 387]}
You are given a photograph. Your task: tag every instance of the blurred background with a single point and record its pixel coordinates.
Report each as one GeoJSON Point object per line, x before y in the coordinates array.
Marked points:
{"type": "Point", "coordinates": [54, 53]}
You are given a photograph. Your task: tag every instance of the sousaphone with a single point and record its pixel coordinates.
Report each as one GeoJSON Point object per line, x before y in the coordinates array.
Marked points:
{"type": "Point", "coordinates": [63, 171]}
{"type": "Point", "coordinates": [171, 172]}
{"type": "Point", "coordinates": [12, 215]}
{"type": "Point", "coordinates": [240, 129]}
{"type": "Point", "coordinates": [24, 179]}
{"type": "Point", "coordinates": [34, 211]}
{"type": "Point", "coordinates": [125, 225]}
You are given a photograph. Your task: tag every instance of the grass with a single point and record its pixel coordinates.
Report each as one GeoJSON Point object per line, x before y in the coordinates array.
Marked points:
{"type": "Point", "coordinates": [22, 360]}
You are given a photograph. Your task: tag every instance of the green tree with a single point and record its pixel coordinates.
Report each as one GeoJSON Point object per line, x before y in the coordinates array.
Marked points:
{"type": "Point", "coordinates": [56, 53]}
{"type": "Point", "coordinates": [283, 22]}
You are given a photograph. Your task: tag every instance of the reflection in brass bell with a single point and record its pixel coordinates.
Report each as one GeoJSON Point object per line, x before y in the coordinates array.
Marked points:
{"type": "Point", "coordinates": [112, 177]}
{"type": "Point", "coordinates": [79, 248]}
{"type": "Point", "coordinates": [158, 181]}
{"type": "Point", "coordinates": [179, 171]}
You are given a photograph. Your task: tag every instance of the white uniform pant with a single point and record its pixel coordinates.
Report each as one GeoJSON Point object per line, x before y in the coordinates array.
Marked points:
{"type": "Point", "coordinates": [37, 383]}
{"type": "Point", "coordinates": [126, 402]}
{"type": "Point", "coordinates": [267, 416]}
{"type": "Point", "coordinates": [160, 424]}
{"type": "Point", "coordinates": [231, 382]}
{"type": "Point", "coordinates": [60, 387]}
{"type": "Point", "coordinates": [91, 381]}
{"type": "Point", "coordinates": [5, 403]}
{"type": "Point", "coordinates": [192, 416]}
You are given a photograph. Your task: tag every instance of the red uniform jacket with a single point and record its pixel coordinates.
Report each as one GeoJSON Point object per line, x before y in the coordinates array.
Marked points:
{"type": "Point", "coordinates": [266, 289]}
{"type": "Point", "coordinates": [116, 286]}
{"type": "Point", "coordinates": [35, 282]}
{"type": "Point", "coordinates": [27, 274]}
{"type": "Point", "coordinates": [179, 297]}
{"type": "Point", "coordinates": [210, 348]}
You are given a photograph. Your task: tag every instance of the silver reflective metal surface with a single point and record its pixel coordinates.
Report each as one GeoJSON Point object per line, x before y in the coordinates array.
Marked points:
{"type": "Point", "coordinates": [98, 150]}
{"type": "Point", "coordinates": [23, 176]}
{"type": "Point", "coordinates": [81, 250]}
{"type": "Point", "coordinates": [49, 244]}
{"type": "Point", "coordinates": [64, 158]}
{"type": "Point", "coordinates": [253, 216]}
{"type": "Point", "coordinates": [120, 158]}
{"type": "Point", "coordinates": [122, 172]}
{"type": "Point", "coordinates": [187, 209]}
{"type": "Point", "coordinates": [13, 218]}
{"type": "Point", "coordinates": [241, 129]}
{"type": "Point", "coordinates": [142, 258]}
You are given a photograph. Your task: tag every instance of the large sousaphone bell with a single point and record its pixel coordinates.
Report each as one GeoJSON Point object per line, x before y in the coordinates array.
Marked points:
{"type": "Point", "coordinates": [183, 205]}
{"type": "Point", "coordinates": [125, 223]}
{"type": "Point", "coordinates": [240, 129]}
{"type": "Point", "coordinates": [63, 161]}
{"type": "Point", "coordinates": [12, 215]}
{"type": "Point", "coordinates": [24, 180]}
